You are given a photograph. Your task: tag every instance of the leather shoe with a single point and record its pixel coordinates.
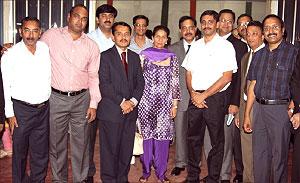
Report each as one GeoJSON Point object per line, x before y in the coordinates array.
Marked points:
{"type": "Point", "coordinates": [225, 181]}
{"type": "Point", "coordinates": [238, 179]}
{"type": "Point", "coordinates": [90, 179]}
{"type": "Point", "coordinates": [176, 171]}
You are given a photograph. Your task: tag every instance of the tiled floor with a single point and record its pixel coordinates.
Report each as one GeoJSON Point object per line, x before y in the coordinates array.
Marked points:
{"type": "Point", "coordinates": [135, 170]}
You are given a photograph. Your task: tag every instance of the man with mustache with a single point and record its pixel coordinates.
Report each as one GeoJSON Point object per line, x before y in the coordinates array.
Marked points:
{"type": "Point", "coordinates": [75, 60]}
{"type": "Point", "coordinates": [122, 85]}
{"type": "Point", "coordinates": [139, 41]}
{"type": "Point", "coordinates": [207, 79]}
{"type": "Point", "coordinates": [271, 83]}
{"type": "Point", "coordinates": [105, 17]}
{"type": "Point", "coordinates": [26, 71]}
{"type": "Point", "coordinates": [187, 29]}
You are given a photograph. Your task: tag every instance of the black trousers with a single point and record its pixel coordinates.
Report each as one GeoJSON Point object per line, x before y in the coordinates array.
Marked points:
{"type": "Point", "coordinates": [237, 151]}
{"type": "Point", "coordinates": [116, 146]}
{"type": "Point", "coordinates": [198, 119]}
{"type": "Point", "coordinates": [33, 135]}
{"type": "Point", "coordinates": [296, 157]}
{"type": "Point", "coordinates": [93, 127]}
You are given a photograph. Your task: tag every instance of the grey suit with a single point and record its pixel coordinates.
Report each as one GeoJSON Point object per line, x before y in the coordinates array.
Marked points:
{"type": "Point", "coordinates": [246, 138]}
{"type": "Point", "coordinates": [181, 117]}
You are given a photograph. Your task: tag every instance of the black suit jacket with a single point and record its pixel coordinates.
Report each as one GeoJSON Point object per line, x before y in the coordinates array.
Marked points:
{"type": "Point", "coordinates": [295, 84]}
{"type": "Point", "coordinates": [233, 91]}
{"type": "Point", "coordinates": [114, 85]}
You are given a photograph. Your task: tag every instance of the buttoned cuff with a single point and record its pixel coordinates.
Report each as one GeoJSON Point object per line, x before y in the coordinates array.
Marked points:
{"type": "Point", "coordinates": [93, 104]}
{"type": "Point", "coordinates": [134, 101]}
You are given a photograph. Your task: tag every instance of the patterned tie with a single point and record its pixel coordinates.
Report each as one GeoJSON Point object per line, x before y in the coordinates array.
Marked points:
{"type": "Point", "coordinates": [189, 46]}
{"type": "Point", "coordinates": [124, 62]}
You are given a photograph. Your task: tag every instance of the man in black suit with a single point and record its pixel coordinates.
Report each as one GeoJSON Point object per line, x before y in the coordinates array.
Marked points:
{"type": "Point", "coordinates": [121, 86]}
{"type": "Point", "coordinates": [232, 146]}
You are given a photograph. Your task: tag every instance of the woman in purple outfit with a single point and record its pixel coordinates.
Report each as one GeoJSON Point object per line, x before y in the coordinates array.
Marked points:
{"type": "Point", "coordinates": [158, 105]}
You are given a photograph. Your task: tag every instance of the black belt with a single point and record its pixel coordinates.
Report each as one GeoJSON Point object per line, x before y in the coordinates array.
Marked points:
{"type": "Point", "coordinates": [31, 105]}
{"type": "Point", "coordinates": [200, 91]}
{"type": "Point", "coordinates": [272, 102]}
{"type": "Point", "coordinates": [70, 93]}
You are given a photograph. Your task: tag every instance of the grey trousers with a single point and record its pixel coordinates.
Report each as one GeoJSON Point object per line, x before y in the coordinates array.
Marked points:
{"type": "Point", "coordinates": [181, 124]}
{"type": "Point", "coordinates": [68, 121]}
{"type": "Point", "coordinates": [230, 134]}
{"type": "Point", "coordinates": [270, 138]}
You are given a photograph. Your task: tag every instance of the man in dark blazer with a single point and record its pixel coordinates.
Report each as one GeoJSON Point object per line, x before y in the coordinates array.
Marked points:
{"type": "Point", "coordinates": [232, 147]}
{"type": "Point", "coordinates": [121, 87]}
{"type": "Point", "coordinates": [187, 28]}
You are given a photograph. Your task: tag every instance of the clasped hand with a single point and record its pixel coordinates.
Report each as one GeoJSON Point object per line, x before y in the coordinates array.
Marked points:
{"type": "Point", "coordinates": [198, 99]}
{"type": "Point", "coordinates": [127, 106]}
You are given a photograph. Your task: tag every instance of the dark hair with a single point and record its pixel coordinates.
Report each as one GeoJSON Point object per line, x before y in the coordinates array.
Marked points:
{"type": "Point", "coordinates": [161, 27]}
{"type": "Point", "coordinates": [256, 24]}
{"type": "Point", "coordinates": [273, 16]}
{"type": "Point", "coordinates": [211, 13]}
{"type": "Point", "coordinates": [113, 29]}
{"type": "Point", "coordinates": [135, 18]}
{"type": "Point", "coordinates": [244, 15]}
{"type": "Point", "coordinates": [76, 6]}
{"type": "Point", "coordinates": [227, 11]}
{"type": "Point", "coordinates": [148, 34]}
{"type": "Point", "coordinates": [184, 18]}
{"type": "Point", "coordinates": [27, 19]}
{"type": "Point", "coordinates": [106, 8]}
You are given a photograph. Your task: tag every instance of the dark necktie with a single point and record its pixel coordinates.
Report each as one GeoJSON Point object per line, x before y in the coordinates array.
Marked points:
{"type": "Point", "coordinates": [189, 46]}
{"type": "Point", "coordinates": [123, 55]}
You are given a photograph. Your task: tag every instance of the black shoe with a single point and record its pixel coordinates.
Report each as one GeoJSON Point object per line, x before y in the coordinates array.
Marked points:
{"type": "Point", "coordinates": [176, 171]}
{"type": "Point", "coordinates": [90, 179]}
{"type": "Point", "coordinates": [238, 179]}
{"type": "Point", "coordinates": [225, 181]}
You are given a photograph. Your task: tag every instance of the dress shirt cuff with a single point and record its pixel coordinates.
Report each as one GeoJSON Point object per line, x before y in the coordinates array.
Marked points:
{"type": "Point", "coordinates": [9, 111]}
{"type": "Point", "coordinates": [93, 104]}
{"type": "Point", "coordinates": [122, 101]}
{"type": "Point", "coordinates": [134, 101]}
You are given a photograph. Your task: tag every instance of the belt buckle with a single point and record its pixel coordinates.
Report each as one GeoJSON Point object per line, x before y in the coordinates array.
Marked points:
{"type": "Point", "coordinates": [69, 94]}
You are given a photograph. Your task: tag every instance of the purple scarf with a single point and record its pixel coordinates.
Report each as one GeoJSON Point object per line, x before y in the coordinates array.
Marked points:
{"type": "Point", "coordinates": [155, 54]}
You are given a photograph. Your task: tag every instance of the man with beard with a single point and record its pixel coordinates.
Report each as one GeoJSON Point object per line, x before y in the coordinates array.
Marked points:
{"type": "Point", "coordinates": [139, 41]}
{"type": "Point", "coordinates": [242, 23]}
{"type": "Point", "coordinates": [122, 86]}
{"type": "Point", "coordinates": [187, 29]}
{"type": "Point", "coordinates": [105, 17]}
{"type": "Point", "coordinates": [271, 84]}
{"type": "Point", "coordinates": [207, 79]}
{"type": "Point", "coordinates": [75, 94]}
{"type": "Point", "coordinates": [26, 71]}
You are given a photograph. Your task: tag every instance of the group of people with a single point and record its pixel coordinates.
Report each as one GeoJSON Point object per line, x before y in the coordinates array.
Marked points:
{"type": "Point", "coordinates": [230, 96]}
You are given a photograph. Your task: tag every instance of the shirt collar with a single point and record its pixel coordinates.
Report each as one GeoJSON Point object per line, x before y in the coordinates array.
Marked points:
{"type": "Point", "coordinates": [280, 46]}
{"type": "Point", "coordinates": [186, 43]}
{"type": "Point", "coordinates": [120, 51]}
{"type": "Point", "coordinates": [258, 48]}
{"type": "Point", "coordinates": [66, 32]}
{"type": "Point", "coordinates": [226, 36]}
{"type": "Point", "coordinates": [101, 34]}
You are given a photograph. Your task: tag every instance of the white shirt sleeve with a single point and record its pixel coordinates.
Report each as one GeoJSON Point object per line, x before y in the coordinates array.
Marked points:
{"type": "Point", "coordinates": [229, 63]}
{"type": "Point", "coordinates": [7, 74]}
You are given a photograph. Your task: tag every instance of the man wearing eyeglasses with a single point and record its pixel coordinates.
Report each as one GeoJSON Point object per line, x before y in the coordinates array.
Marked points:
{"type": "Point", "coordinates": [139, 40]}
{"type": "Point", "coordinates": [242, 23]}
{"type": "Point", "coordinates": [207, 79]}
{"type": "Point", "coordinates": [105, 17]}
{"type": "Point", "coordinates": [271, 84]}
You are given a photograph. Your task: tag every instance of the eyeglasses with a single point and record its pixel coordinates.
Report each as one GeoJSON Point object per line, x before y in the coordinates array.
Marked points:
{"type": "Point", "coordinates": [226, 21]}
{"type": "Point", "coordinates": [140, 25]}
{"type": "Point", "coordinates": [273, 27]}
{"type": "Point", "coordinates": [244, 24]}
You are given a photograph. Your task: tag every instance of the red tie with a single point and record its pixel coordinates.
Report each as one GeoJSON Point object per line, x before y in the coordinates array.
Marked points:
{"type": "Point", "coordinates": [124, 62]}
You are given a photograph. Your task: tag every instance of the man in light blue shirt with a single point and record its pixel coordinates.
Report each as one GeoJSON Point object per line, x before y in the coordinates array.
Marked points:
{"type": "Point", "coordinates": [105, 18]}
{"type": "Point", "coordinates": [139, 41]}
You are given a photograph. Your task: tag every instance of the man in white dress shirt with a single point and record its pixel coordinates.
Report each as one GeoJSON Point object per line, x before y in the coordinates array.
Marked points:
{"type": "Point", "coordinates": [209, 64]}
{"type": "Point", "coordinates": [105, 17]}
{"type": "Point", "coordinates": [26, 71]}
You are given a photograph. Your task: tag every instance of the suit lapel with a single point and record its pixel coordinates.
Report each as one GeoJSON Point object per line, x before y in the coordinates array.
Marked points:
{"type": "Point", "coordinates": [244, 72]}
{"type": "Point", "coordinates": [181, 52]}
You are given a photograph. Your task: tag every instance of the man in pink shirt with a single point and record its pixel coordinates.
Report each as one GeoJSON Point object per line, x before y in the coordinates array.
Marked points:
{"type": "Point", "coordinates": [75, 94]}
